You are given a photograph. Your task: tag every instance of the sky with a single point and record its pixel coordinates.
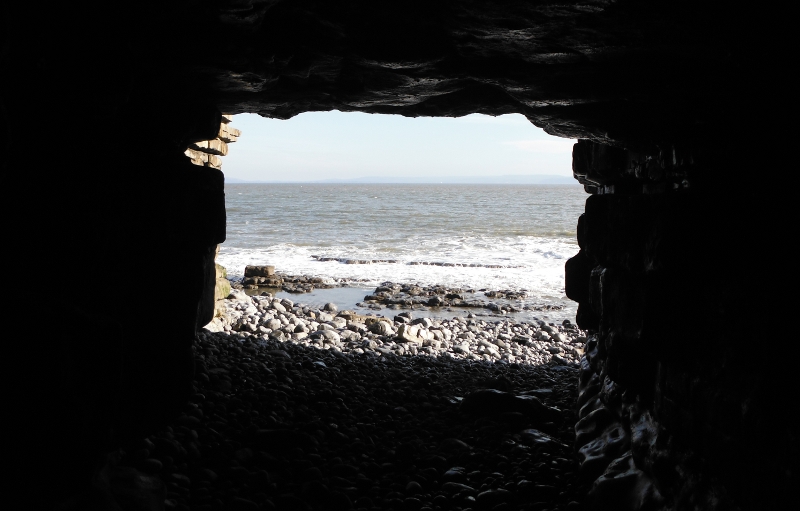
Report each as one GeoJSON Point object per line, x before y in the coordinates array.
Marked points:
{"type": "Point", "coordinates": [317, 146]}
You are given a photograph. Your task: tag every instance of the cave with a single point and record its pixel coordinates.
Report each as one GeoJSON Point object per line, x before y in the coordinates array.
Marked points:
{"type": "Point", "coordinates": [683, 115]}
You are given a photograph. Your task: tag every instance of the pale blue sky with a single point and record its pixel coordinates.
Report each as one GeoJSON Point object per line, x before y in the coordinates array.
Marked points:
{"type": "Point", "coordinates": [346, 145]}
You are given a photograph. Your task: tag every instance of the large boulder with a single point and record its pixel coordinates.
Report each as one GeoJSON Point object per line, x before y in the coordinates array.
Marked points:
{"type": "Point", "coordinates": [259, 271]}
{"type": "Point", "coordinates": [411, 333]}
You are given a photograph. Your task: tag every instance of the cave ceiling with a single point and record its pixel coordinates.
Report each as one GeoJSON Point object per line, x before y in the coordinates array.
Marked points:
{"type": "Point", "coordinates": [613, 72]}
{"type": "Point", "coordinates": [618, 72]}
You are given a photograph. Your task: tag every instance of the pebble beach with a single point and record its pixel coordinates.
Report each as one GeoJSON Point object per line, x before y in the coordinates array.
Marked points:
{"type": "Point", "coordinates": [314, 408]}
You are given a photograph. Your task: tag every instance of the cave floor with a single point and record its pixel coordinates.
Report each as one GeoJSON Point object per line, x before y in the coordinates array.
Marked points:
{"type": "Point", "coordinates": [282, 426]}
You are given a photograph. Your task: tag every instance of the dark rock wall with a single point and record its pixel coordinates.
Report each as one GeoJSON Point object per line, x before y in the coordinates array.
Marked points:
{"type": "Point", "coordinates": [684, 110]}
{"type": "Point", "coordinates": [113, 233]}
{"type": "Point", "coordinates": [681, 392]}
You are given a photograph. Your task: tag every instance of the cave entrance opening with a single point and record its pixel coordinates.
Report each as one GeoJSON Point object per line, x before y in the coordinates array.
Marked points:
{"type": "Point", "coordinates": [479, 212]}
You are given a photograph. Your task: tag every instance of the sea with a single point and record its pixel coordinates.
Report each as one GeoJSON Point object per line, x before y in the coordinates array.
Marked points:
{"type": "Point", "coordinates": [469, 236]}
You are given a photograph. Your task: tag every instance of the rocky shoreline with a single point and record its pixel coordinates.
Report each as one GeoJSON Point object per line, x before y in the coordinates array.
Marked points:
{"type": "Point", "coordinates": [268, 318]}
{"type": "Point", "coordinates": [401, 296]}
{"type": "Point", "coordinates": [258, 277]}
{"type": "Point", "coordinates": [308, 409]}
{"type": "Point", "coordinates": [395, 295]}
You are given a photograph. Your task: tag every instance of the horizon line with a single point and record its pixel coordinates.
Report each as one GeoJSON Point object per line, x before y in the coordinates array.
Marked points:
{"type": "Point", "coordinates": [483, 179]}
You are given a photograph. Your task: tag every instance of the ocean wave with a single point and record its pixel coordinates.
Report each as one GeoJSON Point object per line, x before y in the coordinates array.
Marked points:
{"type": "Point", "coordinates": [536, 264]}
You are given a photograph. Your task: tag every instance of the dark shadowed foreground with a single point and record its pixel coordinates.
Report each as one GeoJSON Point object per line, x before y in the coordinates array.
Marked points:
{"type": "Point", "coordinates": [281, 426]}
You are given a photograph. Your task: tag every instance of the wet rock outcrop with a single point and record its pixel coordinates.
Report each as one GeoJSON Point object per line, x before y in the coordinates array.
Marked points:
{"type": "Point", "coordinates": [687, 389]}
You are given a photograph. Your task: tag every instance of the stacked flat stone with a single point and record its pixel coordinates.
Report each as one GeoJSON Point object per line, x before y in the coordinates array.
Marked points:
{"type": "Point", "coordinates": [207, 153]}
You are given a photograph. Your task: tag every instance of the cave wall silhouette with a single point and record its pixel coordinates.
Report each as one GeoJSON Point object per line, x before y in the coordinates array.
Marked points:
{"type": "Point", "coordinates": [680, 109]}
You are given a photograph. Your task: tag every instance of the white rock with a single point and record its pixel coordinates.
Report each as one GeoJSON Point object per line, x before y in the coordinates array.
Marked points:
{"type": "Point", "coordinates": [339, 322]}
{"type": "Point", "coordinates": [238, 295]}
{"type": "Point", "coordinates": [413, 334]}
{"type": "Point", "coordinates": [356, 327]}
{"type": "Point", "coordinates": [349, 335]}
{"type": "Point", "coordinates": [460, 348]}
{"type": "Point", "coordinates": [329, 335]}
{"type": "Point", "coordinates": [381, 328]}
{"type": "Point", "coordinates": [215, 325]}
{"type": "Point", "coordinates": [423, 322]}
{"type": "Point", "coordinates": [436, 344]}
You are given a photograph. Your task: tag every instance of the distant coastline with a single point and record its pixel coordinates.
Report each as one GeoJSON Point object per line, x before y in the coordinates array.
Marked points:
{"type": "Point", "coordinates": [531, 179]}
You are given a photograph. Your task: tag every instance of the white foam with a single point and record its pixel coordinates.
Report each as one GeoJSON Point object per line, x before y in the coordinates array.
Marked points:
{"type": "Point", "coordinates": [531, 263]}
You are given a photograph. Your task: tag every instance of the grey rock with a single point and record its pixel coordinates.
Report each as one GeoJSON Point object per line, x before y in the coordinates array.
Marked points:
{"type": "Point", "coordinates": [381, 328]}
{"type": "Point", "coordinates": [541, 442]}
{"type": "Point", "coordinates": [453, 487]}
{"type": "Point", "coordinates": [423, 322]}
{"type": "Point", "coordinates": [338, 322]}
{"type": "Point", "coordinates": [461, 348]}
{"type": "Point", "coordinates": [329, 335]}
{"type": "Point", "coordinates": [238, 295]}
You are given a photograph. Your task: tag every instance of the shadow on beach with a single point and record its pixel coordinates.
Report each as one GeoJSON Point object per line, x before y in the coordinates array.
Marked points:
{"type": "Point", "coordinates": [278, 425]}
